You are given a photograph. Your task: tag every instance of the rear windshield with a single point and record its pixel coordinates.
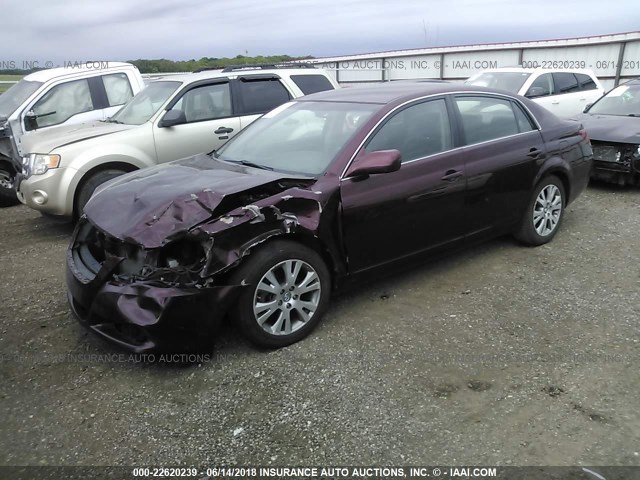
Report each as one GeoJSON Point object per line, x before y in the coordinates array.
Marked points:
{"type": "Point", "coordinates": [16, 96]}
{"type": "Point", "coordinates": [509, 81]}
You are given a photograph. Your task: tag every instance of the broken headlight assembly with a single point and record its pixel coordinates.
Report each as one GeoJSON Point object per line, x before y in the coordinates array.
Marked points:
{"type": "Point", "coordinates": [184, 253]}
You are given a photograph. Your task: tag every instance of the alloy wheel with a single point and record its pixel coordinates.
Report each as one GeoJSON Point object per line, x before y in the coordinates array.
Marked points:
{"type": "Point", "coordinates": [547, 210]}
{"type": "Point", "coordinates": [286, 297]}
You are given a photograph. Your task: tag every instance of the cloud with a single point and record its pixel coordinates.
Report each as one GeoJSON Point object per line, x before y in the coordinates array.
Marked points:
{"type": "Point", "coordinates": [121, 29]}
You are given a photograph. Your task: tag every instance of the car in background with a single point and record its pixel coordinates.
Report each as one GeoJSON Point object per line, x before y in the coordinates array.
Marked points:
{"type": "Point", "coordinates": [322, 191]}
{"type": "Point", "coordinates": [54, 97]}
{"type": "Point", "coordinates": [613, 123]}
{"type": "Point", "coordinates": [172, 118]}
{"type": "Point", "coordinates": [563, 92]}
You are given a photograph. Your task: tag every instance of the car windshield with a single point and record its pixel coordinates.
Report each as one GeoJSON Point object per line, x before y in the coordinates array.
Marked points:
{"type": "Point", "coordinates": [145, 104]}
{"type": "Point", "coordinates": [623, 100]}
{"type": "Point", "coordinates": [509, 81]}
{"type": "Point", "coordinates": [16, 96]}
{"type": "Point", "coordinates": [298, 137]}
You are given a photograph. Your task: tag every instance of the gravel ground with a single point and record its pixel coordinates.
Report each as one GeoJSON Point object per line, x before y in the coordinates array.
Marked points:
{"type": "Point", "coordinates": [502, 355]}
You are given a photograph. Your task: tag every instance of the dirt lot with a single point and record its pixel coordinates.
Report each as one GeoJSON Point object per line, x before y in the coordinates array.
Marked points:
{"type": "Point", "coordinates": [503, 355]}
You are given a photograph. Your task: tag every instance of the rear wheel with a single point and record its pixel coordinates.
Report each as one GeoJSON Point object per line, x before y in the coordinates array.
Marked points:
{"type": "Point", "coordinates": [90, 185]}
{"type": "Point", "coordinates": [288, 293]}
{"type": "Point", "coordinates": [7, 181]}
{"type": "Point", "coordinates": [544, 213]}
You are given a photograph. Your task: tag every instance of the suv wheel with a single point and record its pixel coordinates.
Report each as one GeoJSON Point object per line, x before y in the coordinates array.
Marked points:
{"type": "Point", "coordinates": [7, 191]}
{"type": "Point", "coordinates": [90, 185]}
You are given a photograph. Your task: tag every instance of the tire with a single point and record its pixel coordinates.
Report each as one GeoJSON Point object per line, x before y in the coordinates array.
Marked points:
{"type": "Point", "coordinates": [542, 219]}
{"type": "Point", "coordinates": [90, 185]}
{"type": "Point", "coordinates": [265, 268]}
{"type": "Point", "coordinates": [7, 191]}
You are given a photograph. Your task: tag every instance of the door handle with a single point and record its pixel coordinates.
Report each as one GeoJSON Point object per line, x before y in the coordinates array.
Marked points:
{"type": "Point", "coordinates": [534, 152]}
{"type": "Point", "coordinates": [451, 175]}
{"type": "Point", "coordinates": [555, 103]}
{"type": "Point", "coordinates": [223, 130]}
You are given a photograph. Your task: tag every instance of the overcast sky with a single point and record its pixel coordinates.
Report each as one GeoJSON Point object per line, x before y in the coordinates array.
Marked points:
{"type": "Point", "coordinates": [80, 30]}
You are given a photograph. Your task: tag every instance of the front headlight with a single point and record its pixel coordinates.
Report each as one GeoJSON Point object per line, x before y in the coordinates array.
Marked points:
{"type": "Point", "coordinates": [40, 163]}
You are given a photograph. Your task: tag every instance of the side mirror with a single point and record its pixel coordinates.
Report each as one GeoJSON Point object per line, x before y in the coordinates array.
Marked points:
{"type": "Point", "coordinates": [173, 117]}
{"type": "Point", "coordinates": [586, 109]}
{"type": "Point", "coordinates": [535, 92]}
{"type": "Point", "coordinates": [381, 161]}
{"type": "Point", "coordinates": [30, 121]}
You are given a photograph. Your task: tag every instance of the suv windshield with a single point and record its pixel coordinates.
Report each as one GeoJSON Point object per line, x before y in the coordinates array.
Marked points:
{"type": "Point", "coordinates": [16, 96]}
{"type": "Point", "coordinates": [509, 81]}
{"type": "Point", "coordinates": [298, 137]}
{"type": "Point", "coordinates": [146, 103]}
{"type": "Point", "coordinates": [623, 100]}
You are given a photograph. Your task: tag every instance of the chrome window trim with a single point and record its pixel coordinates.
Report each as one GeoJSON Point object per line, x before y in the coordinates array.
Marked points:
{"type": "Point", "coordinates": [441, 94]}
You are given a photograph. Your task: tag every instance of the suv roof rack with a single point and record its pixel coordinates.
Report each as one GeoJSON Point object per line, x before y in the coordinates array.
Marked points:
{"type": "Point", "coordinates": [265, 66]}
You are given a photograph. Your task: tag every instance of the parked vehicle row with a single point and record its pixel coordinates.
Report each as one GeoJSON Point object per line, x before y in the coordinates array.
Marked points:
{"type": "Point", "coordinates": [326, 190]}
{"type": "Point", "coordinates": [305, 189]}
{"type": "Point", "coordinates": [55, 97]}
{"type": "Point", "coordinates": [170, 119]}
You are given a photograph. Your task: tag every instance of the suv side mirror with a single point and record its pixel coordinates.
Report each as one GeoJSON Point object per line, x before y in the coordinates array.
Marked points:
{"type": "Point", "coordinates": [173, 117]}
{"type": "Point", "coordinates": [30, 121]}
{"type": "Point", "coordinates": [381, 161]}
{"type": "Point", "coordinates": [535, 92]}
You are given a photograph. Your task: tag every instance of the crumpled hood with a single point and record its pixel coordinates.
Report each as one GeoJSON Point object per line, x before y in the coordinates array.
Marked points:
{"type": "Point", "coordinates": [45, 140]}
{"type": "Point", "coordinates": [612, 128]}
{"type": "Point", "coordinates": [151, 206]}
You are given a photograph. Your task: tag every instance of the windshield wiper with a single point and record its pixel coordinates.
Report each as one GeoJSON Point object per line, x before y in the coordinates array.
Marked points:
{"type": "Point", "coordinates": [112, 120]}
{"type": "Point", "coordinates": [247, 163]}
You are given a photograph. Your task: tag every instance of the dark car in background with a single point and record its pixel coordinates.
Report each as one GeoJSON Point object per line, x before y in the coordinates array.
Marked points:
{"type": "Point", "coordinates": [324, 190]}
{"type": "Point", "coordinates": [613, 124]}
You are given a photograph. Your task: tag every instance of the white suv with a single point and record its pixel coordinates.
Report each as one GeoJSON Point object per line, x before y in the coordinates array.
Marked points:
{"type": "Point", "coordinates": [563, 92]}
{"type": "Point", "coordinates": [172, 118]}
{"type": "Point", "coordinates": [59, 96]}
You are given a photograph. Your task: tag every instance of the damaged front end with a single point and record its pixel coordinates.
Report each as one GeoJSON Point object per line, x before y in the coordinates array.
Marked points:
{"type": "Point", "coordinates": [616, 163]}
{"type": "Point", "coordinates": [163, 284]}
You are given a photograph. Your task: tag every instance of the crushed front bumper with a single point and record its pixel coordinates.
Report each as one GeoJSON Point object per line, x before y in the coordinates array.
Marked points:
{"type": "Point", "coordinates": [616, 163]}
{"type": "Point", "coordinates": [143, 316]}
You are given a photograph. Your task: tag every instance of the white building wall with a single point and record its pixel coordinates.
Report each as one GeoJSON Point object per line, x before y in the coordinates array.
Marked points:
{"type": "Point", "coordinates": [600, 54]}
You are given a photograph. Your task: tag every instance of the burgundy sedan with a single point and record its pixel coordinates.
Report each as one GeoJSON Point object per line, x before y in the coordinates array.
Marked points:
{"type": "Point", "coordinates": [321, 191]}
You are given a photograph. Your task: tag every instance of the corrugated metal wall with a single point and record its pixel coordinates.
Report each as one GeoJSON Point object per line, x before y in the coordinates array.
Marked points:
{"type": "Point", "coordinates": [613, 58]}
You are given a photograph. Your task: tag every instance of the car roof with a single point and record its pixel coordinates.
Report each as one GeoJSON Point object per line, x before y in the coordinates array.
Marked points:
{"type": "Point", "coordinates": [393, 91]}
{"type": "Point", "coordinates": [73, 69]}
{"type": "Point", "coordinates": [219, 73]}
{"type": "Point", "coordinates": [535, 70]}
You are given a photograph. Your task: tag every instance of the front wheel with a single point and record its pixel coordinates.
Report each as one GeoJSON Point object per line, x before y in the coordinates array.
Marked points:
{"type": "Point", "coordinates": [7, 181]}
{"type": "Point", "coordinates": [544, 213]}
{"type": "Point", "coordinates": [288, 293]}
{"type": "Point", "coordinates": [90, 185]}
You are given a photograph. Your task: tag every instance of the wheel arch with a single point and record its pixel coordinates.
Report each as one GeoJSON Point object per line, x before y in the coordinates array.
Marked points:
{"type": "Point", "coordinates": [116, 165]}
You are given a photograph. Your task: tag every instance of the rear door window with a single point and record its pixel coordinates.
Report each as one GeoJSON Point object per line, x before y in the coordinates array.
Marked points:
{"type": "Point", "coordinates": [488, 118]}
{"type": "Point", "coordinates": [260, 96]}
{"type": "Point", "coordinates": [312, 83]}
{"type": "Point", "coordinates": [118, 88]}
{"type": "Point", "coordinates": [565, 83]}
{"type": "Point", "coordinates": [586, 82]}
